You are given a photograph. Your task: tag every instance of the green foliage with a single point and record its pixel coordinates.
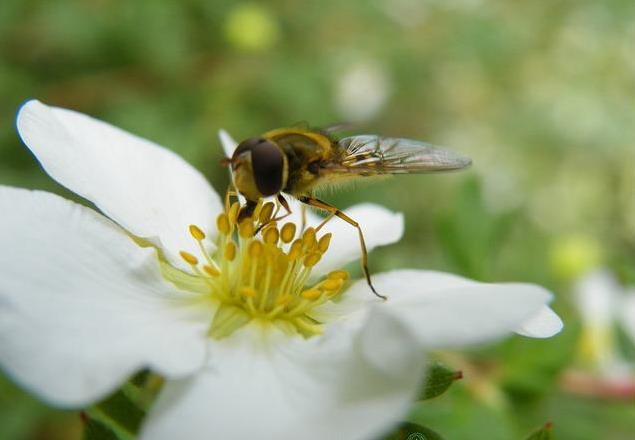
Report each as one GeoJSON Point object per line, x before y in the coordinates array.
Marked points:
{"type": "Point", "coordinates": [96, 430]}
{"type": "Point", "coordinates": [542, 433]}
{"type": "Point", "coordinates": [438, 379]}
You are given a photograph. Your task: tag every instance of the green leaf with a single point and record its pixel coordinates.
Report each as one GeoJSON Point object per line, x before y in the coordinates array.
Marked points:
{"type": "Point", "coordinates": [121, 409]}
{"type": "Point", "coordinates": [413, 431]}
{"type": "Point", "coordinates": [542, 433]}
{"type": "Point", "coordinates": [117, 414]}
{"type": "Point", "coordinates": [96, 430]}
{"type": "Point", "coordinates": [438, 380]}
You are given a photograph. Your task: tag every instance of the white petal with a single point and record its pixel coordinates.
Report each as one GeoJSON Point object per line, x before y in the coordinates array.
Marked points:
{"type": "Point", "coordinates": [340, 386]}
{"type": "Point", "coordinates": [228, 143]}
{"type": "Point", "coordinates": [628, 314]}
{"type": "Point", "coordinates": [544, 324]}
{"type": "Point", "coordinates": [81, 306]}
{"type": "Point", "coordinates": [597, 296]}
{"type": "Point", "coordinates": [446, 310]}
{"type": "Point", "coordinates": [147, 189]}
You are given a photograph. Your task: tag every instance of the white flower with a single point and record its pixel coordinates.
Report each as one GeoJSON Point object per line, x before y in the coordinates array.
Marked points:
{"type": "Point", "coordinates": [602, 303]}
{"type": "Point", "coordinates": [86, 300]}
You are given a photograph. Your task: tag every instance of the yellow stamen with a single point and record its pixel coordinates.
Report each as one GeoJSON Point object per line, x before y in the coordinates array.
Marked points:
{"type": "Point", "coordinates": [189, 258]}
{"type": "Point", "coordinates": [211, 271]}
{"type": "Point", "coordinates": [233, 213]}
{"type": "Point", "coordinates": [230, 251]}
{"type": "Point", "coordinates": [222, 223]}
{"type": "Point", "coordinates": [249, 292]}
{"type": "Point", "coordinates": [288, 232]}
{"type": "Point", "coordinates": [197, 233]}
{"type": "Point", "coordinates": [338, 275]}
{"type": "Point", "coordinates": [255, 249]}
{"type": "Point", "coordinates": [332, 284]}
{"type": "Point", "coordinates": [271, 235]}
{"type": "Point", "coordinates": [284, 300]}
{"type": "Point", "coordinates": [324, 242]}
{"type": "Point", "coordinates": [295, 250]}
{"type": "Point", "coordinates": [308, 239]}
{"type": "Point", "coordinates": [311, 294]}
{"type": "Point", "coordinates": [246, 229]}
{"type": "Point", "coordinates": [265, 212]}
{"type": "Point", "coordinates": [312, 259]}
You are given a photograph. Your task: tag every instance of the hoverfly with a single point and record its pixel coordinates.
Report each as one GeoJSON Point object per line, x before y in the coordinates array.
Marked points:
{"type": "Point", "coordinates": [299, 161]}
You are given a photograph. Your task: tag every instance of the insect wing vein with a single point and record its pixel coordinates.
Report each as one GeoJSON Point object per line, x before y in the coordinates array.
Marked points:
{"type": "Point", "coordinates": [366, 153]}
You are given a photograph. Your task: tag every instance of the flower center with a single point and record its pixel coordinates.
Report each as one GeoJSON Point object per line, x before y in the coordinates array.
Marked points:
{"type": "Point", "coordinates": [259, 271]}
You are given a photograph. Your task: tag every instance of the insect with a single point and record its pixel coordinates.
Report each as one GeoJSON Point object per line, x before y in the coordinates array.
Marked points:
{"type": "Point", "coordinates": [298, 161]}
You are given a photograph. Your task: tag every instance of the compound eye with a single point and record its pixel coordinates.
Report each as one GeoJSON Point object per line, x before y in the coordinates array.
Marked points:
{"type": "Point", "coordinates": [267, 161]}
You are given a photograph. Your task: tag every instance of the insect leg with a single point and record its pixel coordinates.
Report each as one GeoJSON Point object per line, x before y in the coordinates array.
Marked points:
{"type": "Point", "coordinates": [281, 201]}
{"type": "Point", "coordinates": [303, 216]}
{"type": "Point", "coordinates": [231, 191]}
{"type": "Point", "coordinates": [316, 203]}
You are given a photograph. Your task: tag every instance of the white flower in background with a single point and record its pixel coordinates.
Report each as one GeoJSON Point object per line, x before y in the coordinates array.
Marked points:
{"type": "Point", "coordinates": [362, 91]}
{"type": "Point", "coordinates": [603, 304]}
{"type": "Point", "coordinates": [255, 334]}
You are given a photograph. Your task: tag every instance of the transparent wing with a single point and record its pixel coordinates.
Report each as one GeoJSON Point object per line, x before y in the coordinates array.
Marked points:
{"type": "Point", "coordinates": [382, 155]}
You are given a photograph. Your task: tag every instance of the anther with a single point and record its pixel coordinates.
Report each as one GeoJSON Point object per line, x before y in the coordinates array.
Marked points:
{"type": "Point", "coordinates": [255, 249]}
{"type": "Point", "coordinates": [189, 258]}
{"type": "Point", "coordinates": [284, 300]}
{"type": "Point", "coordinates": [234, 210]}
{"type": "Point", "coordinates": [249, 292]}
{"type": "Point", "coordinates": [288, 232]}
{"type": "Point", "coordinates": [265, 212]}
{"type": "Point", "coordinates": [197, 233]}
{"type": "Point", "coordinates": [271, 235]}
{"type": "Point", "coordinates": [246, 229]}
{"type": "Point", "coordinates": [332, 284]}
{"type": "Point", "coordinates": [309, 235]}
{"type": "Point", "coordinates": [324, 242]}
{"type": "Point", "coordinates": [312, 259]}
{"type": "Point", "coordinates": [211, 271]}
{"type": "Point", "coordinates": [296, 250]}
{"type": "Point", "coordinates": [222, 223]}
{"type": "Point", "coordinates": [338, 275]}
{"type": "Point", "coordinates": [230, 251]}
{"type": "Point", "coordinates": [311, 294]}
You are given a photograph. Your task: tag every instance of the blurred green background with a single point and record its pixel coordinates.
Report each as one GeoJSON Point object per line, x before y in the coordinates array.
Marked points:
{"type": "Point", "coordinates": [539, 93]}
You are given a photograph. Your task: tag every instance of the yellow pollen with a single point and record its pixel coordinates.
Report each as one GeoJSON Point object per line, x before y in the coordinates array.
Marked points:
{"type": "Point", "coordinates": [246, 229]}
{"type": "Point", "coordinates": [338, 275]}
{"type": "Point", "coordinates": [308, 238]}
{"type": "Point", "coordinates": [196, 232]}
{"type": "Point", "coordinates": [295, 250]}
{"type": "Point", "coordinates": [249, 292]}
{"type": "Point", "coordinates": [311, 294]}
{"type": "Point", "coordinates": [288, 232]}
{"type": "Point", "coordinates": [312, 259]}
{"type": "Point", "coordinates": [232, 215]}
{"type": "Point", "coordinates": [271, 235]}
{"type": "Point", "coordinates": [255, 249]}
{"type": "Point", "coordinates": [284, 300]}
{"type": "Point", "coordinates": [230, 251]}
{"type": "Point", "coordinates": [189, 258]}
{"type": "Point", "coordinates": [211, 271]}
{"type": "Point", "coordinates": [332, 284]}
{"type": "Point", "coordinates": [324, 242]}
{"type": "Point", "coordinates": [262, 277]}
{"type": "Point", "coordinates": [222, 223]}
{"type": "Point", "coordinates": [265, 212]}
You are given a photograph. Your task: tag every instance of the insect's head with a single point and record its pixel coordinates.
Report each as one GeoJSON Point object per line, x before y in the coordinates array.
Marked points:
{"type": "Point", "coordinates": [259, 168]}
